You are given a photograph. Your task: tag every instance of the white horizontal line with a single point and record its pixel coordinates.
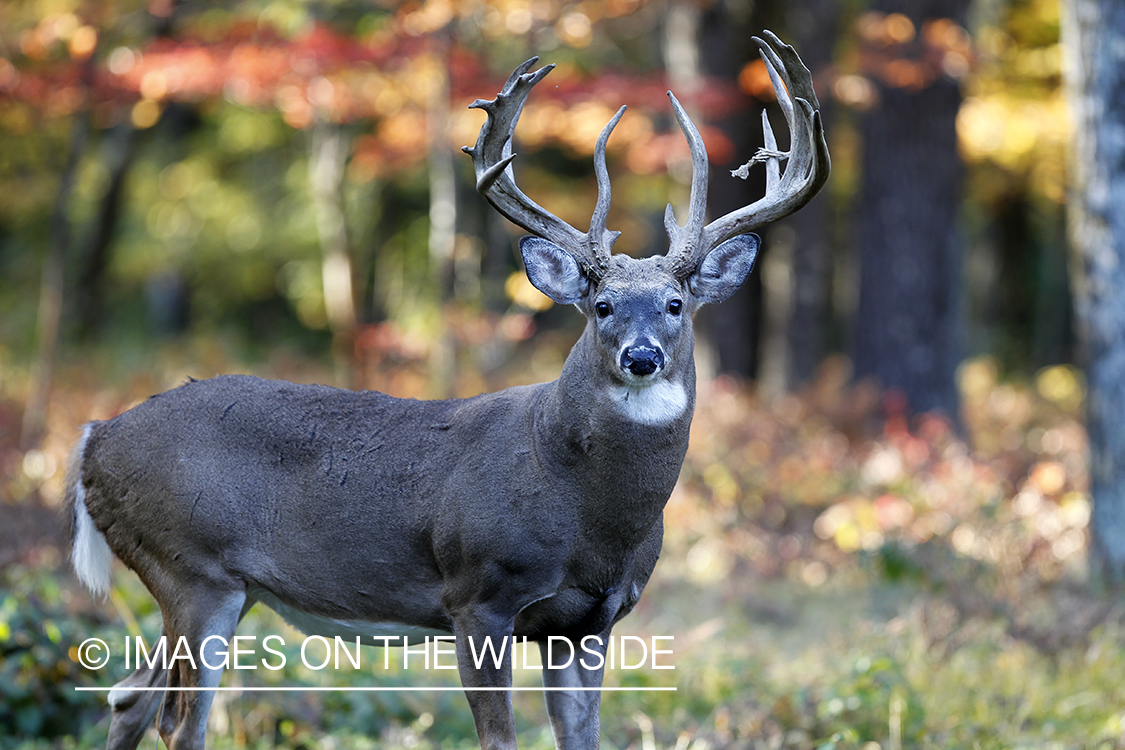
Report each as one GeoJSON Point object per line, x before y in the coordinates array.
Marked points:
{"type": "Point", "coordinates": [388, 689]}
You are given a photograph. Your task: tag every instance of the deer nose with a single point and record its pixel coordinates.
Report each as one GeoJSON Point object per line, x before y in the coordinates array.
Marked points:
{"type": "Point", "coordinates": [642, 360]}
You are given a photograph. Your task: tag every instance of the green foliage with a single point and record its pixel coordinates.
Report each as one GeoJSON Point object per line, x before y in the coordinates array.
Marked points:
{"type": "Point", "coordinates": [874, 701]}
{"type": "Point", "coordinates": [39, 638]}
{"type": "Point", "coordinates": [897, 564]}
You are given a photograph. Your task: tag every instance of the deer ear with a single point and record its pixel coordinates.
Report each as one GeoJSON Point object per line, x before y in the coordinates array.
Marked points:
{"type": "Point", "coordinates": [553, 271]}
{"type": "Point", "coordinates": [724, 269]}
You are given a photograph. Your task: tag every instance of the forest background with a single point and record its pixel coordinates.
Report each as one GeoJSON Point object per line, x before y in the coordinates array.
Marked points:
{"type": "Point", "coordinates": [886, 534]}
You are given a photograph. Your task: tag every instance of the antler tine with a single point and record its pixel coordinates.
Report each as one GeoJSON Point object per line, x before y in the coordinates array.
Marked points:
{"type": "Point", "coordinates": [492, 158]}
{"type": "Point", "coordinates": [805, 173]}
{"type": "Point", "coordinates": [808, 161]}
{"type": "Point", "coordinates": [684, 240]}
{"type": "Point", "coordinates": [786, 60]}
{"type": "Point", "coordinates": [773, 166]}
{"type": "Point", "coordinates": [598, 233]}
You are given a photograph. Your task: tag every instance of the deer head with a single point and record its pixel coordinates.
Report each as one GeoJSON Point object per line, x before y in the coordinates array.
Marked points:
{"type": "Point", "coordinates": [704, 263]}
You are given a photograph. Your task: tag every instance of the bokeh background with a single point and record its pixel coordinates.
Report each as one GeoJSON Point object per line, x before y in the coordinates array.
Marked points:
{"type": "Point", "coordinates": [886, 533]}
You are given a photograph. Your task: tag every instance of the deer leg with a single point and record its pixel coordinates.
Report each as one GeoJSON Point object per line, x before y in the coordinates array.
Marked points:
{"type": "Point", "coordinates": [211, 616]}
{"type": "Point", "coordinates": [574, 714]}
{"type": "Point", "coordinates": [492, 709]}
{"type": "Point", "coordinates": [133, 710]}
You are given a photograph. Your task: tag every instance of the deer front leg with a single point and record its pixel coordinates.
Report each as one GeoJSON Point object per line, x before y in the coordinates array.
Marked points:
{"type": "Point", "coordinates": [484, 660]}
{"type": "Point", "coordinates": [574, 714]}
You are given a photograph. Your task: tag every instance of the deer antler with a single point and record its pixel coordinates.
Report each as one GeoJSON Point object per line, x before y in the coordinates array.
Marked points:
{"type": "Point", "coordinates": [492, 159]}
{"type": "Point", "coordinates": [805, 173]}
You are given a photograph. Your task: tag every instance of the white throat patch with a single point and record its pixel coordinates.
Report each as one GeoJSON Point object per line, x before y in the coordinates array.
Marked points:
{"type": "Point", "coordinates": [655, 404]}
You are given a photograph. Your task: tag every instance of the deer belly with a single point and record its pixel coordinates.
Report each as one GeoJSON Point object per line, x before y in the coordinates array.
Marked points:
{"type": "Point", "coordinates": [367, 630]}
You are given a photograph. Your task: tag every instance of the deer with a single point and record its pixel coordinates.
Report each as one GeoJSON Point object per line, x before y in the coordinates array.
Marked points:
{"type": "Point", "coordinates": [534, 511]}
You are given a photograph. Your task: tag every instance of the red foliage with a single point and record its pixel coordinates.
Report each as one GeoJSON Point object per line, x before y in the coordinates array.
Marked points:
{"type": "Point", "coordinates": [257, 67]}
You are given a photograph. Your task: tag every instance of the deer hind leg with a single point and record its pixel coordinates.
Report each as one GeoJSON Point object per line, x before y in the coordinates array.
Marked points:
{"type": "Point", "coordinates": [183, 723]}
{"type": "Point", "coordinates": [134, 710]}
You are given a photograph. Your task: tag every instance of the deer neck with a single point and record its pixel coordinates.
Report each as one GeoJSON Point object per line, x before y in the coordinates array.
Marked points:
{"type": "Point", "coordinates": [624, 445]}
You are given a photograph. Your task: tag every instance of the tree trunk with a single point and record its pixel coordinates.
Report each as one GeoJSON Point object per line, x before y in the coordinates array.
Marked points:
{"type": "Point", "coordinates": [119, 148]}
{"type": "Point", "coordinates": [722, 45]}
{"type": "Point", "coordinates": [814, 25]}
{"type": "Point", "coordinates": [52, 290]}
{"type": "Point", "coordinates": [1094, 31]}
{"type": "Point", "coordinates": [327, 158]}
{"type": "Point", "coordinates": [908, 322]}
{"type": "Point", "coordinates": [443, 222]}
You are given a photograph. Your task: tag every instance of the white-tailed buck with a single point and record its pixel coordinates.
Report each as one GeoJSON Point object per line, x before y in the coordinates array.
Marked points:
{"type": "Point", "coordinates": [534, 511]}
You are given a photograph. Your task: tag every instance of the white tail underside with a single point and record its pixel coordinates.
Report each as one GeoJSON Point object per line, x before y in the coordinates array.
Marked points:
{"type": "Point", "coordinates": [90, 554]}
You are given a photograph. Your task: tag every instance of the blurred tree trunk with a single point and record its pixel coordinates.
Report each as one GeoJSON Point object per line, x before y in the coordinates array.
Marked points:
{"type": "Point", "coordinates": [443, 219]}
{"type": "Point", "coordinates": [721, 46]}
{"type": "Point", "coordinates": [908, 322]}
{"type": "Point", "coordinates": [118, 148]}
{"type": "Point", "coordinates": [443, 181]}
{"type": "Point", "coordinates": [815, 28]}
{"type": "Point", "coordinates": [1094, 31]}
{"type": "Point", "coordinates": [51, 294]}
{"type": "Point", "coordinates": [53, 288]}
{"type": "Point", "coordinates": [1027, 308]}
{"type": "Point", "coordinates": [328, 156]}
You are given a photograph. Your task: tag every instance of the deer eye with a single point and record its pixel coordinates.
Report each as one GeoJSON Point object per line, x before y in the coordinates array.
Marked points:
{"type": "Point", "coordinates": [603, 309]}
{"type": "Point", "coordinates": [675, 307]}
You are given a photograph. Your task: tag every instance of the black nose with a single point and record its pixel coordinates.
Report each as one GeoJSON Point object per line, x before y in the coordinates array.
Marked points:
{"type": "Point", "coordinates": [642, 360]}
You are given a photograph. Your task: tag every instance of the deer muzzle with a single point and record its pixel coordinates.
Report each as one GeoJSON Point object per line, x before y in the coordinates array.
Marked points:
{"type": "Point", "coordinates": [643, 359]}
